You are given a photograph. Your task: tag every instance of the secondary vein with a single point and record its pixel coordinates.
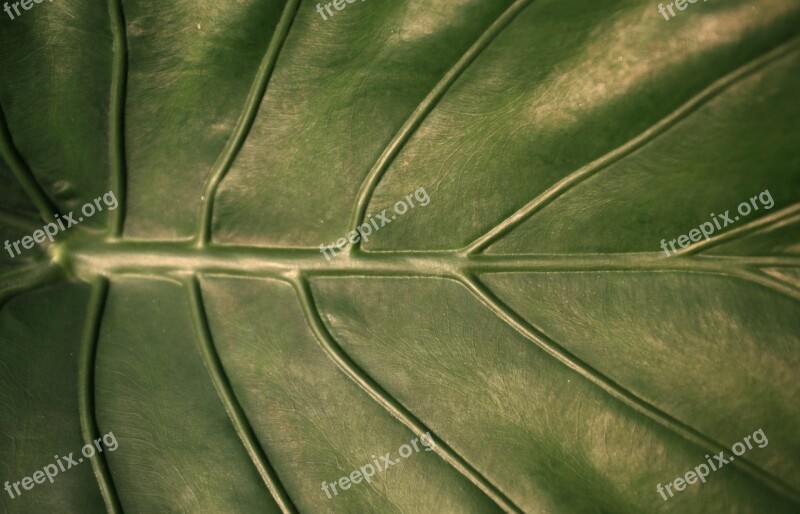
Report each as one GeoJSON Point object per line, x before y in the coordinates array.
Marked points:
{"type": "Point", "coordinates": [116, 120]}
{"type": "Point", "coordinates": [375, 174]}
{"type": "Point", "coordinates": [245, 123]}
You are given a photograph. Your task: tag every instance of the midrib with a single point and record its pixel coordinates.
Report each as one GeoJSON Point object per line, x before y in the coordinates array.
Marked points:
{"type": "Point", "coordinates": [86, 259]}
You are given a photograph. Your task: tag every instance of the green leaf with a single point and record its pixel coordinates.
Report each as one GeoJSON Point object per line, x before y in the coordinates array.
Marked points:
{"type": "Point", "coordinates": [527, 317]}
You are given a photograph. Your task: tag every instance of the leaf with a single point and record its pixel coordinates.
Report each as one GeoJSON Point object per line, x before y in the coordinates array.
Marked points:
{"type": "Point", "coordinates": [526, 317]}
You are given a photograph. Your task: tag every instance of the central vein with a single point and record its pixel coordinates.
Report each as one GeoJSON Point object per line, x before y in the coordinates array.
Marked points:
{"type": "Point", "coordinates": [86, 259]}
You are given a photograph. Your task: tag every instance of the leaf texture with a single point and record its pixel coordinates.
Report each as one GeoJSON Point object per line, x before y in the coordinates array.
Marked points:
{"type": "Point", "coordinates": [526, 317]}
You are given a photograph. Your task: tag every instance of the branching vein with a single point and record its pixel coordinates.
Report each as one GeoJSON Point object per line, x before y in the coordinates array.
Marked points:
{"type": "Point", "coordinates": [375, 174]}
{"type": "Point", "coordinates": [116, 121]}
{"type": "Point", "coordinates": [238, 417]}
{"type": "Point", "coordinates": [86, 385]}
{"type": "Point", "coordinates": [245, 123]}
{"type": "Point", "coordinates": [385, 400]}
{"type": "Point", "coordinates": [649, 135]}
{"type": "Point", "coordinates": [616, 391]}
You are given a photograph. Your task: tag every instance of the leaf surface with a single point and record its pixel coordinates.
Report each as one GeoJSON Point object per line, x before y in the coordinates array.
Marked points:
{"type": "Point", "coordinates": [526, 318]}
